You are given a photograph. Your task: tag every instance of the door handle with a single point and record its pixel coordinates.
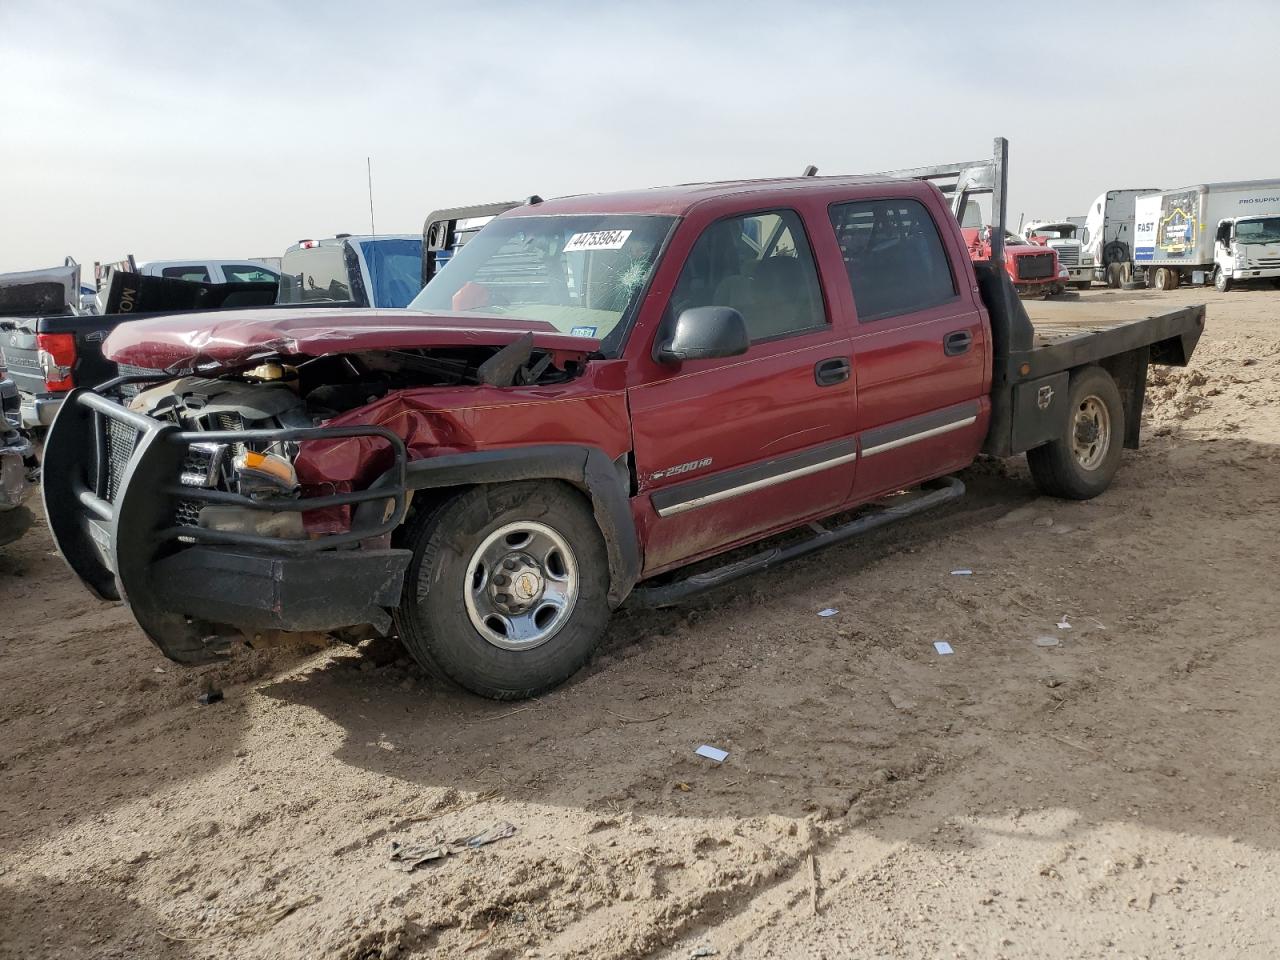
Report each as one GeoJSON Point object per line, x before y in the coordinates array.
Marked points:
{"type": "Point", "coordinates": [957, 342]}
{"type": "Point", "coordinates": [829, 372]}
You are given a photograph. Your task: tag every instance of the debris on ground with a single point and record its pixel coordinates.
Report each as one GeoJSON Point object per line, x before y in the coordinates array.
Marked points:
{"type": "Point", "coordinates": [499, 831]}
{"type": "Point", "coordinates": [408, 857]}
{"type": "Point", "coordinates": [828, 612]}
{"type": "Point", "coordinates": [1046, 640]}
{"type": "Point", "coordinates": [209, 696]}
{"type": "Point", "coordinates": [703, 951]}
{"type": "Point", "coordinates": [1064, 623]}
{"type": "Point", "coordinates": [942, 647]}
{"type": "Point", "coordinates": [712, 753]}
{"type": "Point", "coordinates": [965, 572]}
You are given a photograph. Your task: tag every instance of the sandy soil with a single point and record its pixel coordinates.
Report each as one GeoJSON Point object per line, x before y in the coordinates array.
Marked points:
{"type": "Point", "coordinates": [1114, 795]}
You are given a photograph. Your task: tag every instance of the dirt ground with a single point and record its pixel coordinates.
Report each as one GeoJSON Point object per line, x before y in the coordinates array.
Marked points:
{"type": "Point", "coordinates": [1113, 795]}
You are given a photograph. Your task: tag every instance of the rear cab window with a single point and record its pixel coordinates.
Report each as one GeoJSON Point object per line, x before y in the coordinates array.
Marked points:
{"type": "Point", "coordinates": [760, 264]}
{"type": "Point", "coordinates": [315, 274]}
{"type": "Point", "coordinates": [894, 256]}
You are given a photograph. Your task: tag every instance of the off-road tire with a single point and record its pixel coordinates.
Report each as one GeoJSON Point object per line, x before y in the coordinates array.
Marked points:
{"type": "Point", "coordinates": [1221, 282]}
{"type": "Point", "coordinates": [1055, 467]}
{"type": "Point", "coordinates": [432, 618]}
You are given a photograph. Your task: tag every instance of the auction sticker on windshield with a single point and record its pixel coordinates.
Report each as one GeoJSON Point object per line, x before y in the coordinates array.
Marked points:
{"type": "Point", "coordinates": [597, 240]}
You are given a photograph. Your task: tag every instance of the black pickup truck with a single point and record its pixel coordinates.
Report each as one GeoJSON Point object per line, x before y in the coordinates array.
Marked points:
{"type": "Point", "coordinates": [50, 346]}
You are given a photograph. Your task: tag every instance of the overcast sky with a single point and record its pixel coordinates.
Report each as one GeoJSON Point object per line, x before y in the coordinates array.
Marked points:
{"type": "Point", "coordinates": [230, 129]}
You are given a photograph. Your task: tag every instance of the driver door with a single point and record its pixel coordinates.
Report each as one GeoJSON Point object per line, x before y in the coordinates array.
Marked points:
{"type": "Point", "coordinates": [730, 449]}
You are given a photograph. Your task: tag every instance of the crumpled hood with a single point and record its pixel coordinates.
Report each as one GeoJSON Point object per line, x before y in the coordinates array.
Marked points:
{"type": "Point", "coordinates": [238, 338]}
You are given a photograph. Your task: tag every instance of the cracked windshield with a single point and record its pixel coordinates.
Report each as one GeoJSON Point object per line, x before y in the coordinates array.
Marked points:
{"type": "Point", "coordinates": [583, 275]}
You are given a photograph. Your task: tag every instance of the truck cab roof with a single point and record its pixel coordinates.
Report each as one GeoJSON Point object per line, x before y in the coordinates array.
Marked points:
{"type": "Point", "coordinates": [679, 199]}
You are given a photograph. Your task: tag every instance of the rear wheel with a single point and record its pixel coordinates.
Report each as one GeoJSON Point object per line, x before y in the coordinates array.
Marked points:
{"type": "Point", "coordinates": [507, 592]}
{"type": "Point", "coordinates": [1081, 463]}
{"type": "Point", "coordinates": [1221, 280]}
{"type": "Point", "coordinates": [1114, 275]}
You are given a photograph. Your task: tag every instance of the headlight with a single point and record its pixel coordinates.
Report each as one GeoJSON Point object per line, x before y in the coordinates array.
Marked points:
{"type": "Point", "coordinates": [1240, 260]}
{"type": "Point", "coordinates": [265, 473]}
{"type": "Point", "coordinates": [1063, 274]}
{"type": "Point", "coordinates": [1086, 261]}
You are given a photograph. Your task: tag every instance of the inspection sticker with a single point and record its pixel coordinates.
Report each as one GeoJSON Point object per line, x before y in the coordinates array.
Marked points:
{"type": "Point", "coordinates": [597, 240]}
{"type": "Point", "coordinates": [582, 332]}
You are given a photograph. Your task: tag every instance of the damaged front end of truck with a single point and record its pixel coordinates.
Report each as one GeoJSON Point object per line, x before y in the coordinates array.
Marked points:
{"type": "Point", "coordinates": [253, 486]}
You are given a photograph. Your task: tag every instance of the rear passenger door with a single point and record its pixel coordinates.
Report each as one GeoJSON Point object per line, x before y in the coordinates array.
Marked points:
{"type": "Point", "coordinates": [729, 449]}
{"type": "Point", "coordinates": [921, 355]}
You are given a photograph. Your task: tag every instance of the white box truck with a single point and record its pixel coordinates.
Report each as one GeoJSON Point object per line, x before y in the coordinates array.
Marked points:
{"type": "Point", "coordinates": [1108, 233]}
{"type": "Point", "coordinates": [1219, 232]}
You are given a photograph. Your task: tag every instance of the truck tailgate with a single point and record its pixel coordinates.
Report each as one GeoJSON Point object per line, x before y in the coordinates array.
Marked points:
{"type": "Point", "coordinates": [21, 356]}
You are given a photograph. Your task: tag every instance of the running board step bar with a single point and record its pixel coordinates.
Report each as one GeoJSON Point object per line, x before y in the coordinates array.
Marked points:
{"type": "Point", "coordinates": [947, 489]}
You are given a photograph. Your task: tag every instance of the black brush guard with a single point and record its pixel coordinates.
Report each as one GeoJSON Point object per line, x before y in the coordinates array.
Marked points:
{"type": "Point", "coordinates": [112, 506]}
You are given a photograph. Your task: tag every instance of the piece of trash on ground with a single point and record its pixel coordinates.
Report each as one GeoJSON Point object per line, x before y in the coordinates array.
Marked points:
{"type": "Point", "coordinates": [712, 753]}
{"type": "Point", "coordinates": [703, 951]}
{"type": "Point", "coordinates": [209, 696]}
{"type": "Point", "coordinates": [1046, 640]}
{"type": "Point", "coordinates": [408, 857]}
{"type": "Point", "coordinates": [962, 573]}
{"type": "Point", "coordinates": [829, 612]}
{"type": "Point", "coordinates": [1064, 624]}
{"type": "Point", "coordinates": [942, 647]}
{"type": "Point", "coordinates": [499, 831]}
{"type": "Point", "coordinates": [411, 856]}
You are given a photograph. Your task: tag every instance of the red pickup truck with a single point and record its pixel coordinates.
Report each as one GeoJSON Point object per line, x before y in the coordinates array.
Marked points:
{"type": "Point", "coordinates": [594, 394]}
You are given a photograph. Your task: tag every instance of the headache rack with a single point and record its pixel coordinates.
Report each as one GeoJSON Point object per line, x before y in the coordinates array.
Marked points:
{"type": "Point", "coordinates": [447, 230]}
{"type": "Point", "coordinates": [959, 182]}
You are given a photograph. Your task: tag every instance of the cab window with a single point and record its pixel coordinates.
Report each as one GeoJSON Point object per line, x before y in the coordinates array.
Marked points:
{"type": "Point", "coordinates": [894, 256]}
{"type": "Point", "coordinates": [761, 266]}
{"type": "Point", "coordinates": [248, 273]}
{"type": "Point", "coordinates": [188, 272]}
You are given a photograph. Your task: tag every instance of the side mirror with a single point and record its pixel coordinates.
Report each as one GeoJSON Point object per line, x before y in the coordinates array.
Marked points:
{"type": "Point", "coordinates": [703, 333]}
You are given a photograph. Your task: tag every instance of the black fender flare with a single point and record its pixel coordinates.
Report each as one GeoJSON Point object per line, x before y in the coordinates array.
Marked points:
{"type": "Point", "coordinates": [588, 468]}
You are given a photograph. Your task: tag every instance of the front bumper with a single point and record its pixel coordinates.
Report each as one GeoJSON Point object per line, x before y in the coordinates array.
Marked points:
{"type": "Point", "coordinates": [1254, 273]}
{"type": "Point", "coordinates": [39, 411]}
{"type": "Point", "coordinates": [116, 508]}
{"type": "Point", "coordinates": [1080, 274]}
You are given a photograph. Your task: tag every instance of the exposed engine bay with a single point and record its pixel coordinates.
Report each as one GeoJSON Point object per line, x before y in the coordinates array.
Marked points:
{"type": "Point", "coordinates": [308, 393]}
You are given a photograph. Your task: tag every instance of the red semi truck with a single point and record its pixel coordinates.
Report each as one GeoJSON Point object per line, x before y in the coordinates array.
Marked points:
{"type": "Point", "coordinates": [594, 394]}
{"type": "Point", "coordinates": [1033, 268]}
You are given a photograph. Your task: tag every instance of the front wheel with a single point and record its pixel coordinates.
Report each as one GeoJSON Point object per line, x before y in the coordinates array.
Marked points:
{"type": "Point", "coordinates": [1221, 280]}
{"type": "Point", "coordinates": [507, 592]}
{"type": "Point", "coordinates": [1081, 463]}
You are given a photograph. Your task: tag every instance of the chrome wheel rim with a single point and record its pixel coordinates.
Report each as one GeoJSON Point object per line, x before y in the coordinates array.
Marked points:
{"type": "Point", "coordinates": [1091, 433]}
{"type": "Point", "coordinates": [521, 585]}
